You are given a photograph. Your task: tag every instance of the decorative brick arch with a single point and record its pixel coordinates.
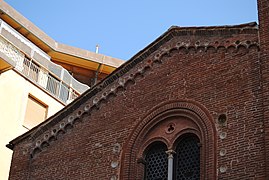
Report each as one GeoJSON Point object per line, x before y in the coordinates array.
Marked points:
{"type": "Point", "coordinates": [190, 116]}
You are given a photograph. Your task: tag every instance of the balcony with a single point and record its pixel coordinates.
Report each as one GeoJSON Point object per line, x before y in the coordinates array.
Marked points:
{"type": "Point", "coordinates": [27, 59]}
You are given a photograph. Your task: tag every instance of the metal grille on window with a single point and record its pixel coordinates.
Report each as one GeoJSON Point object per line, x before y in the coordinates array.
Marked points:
{"type": "Point", "coordinates": [188, 159]}
{"type": "Point", "coordinates": [156, 163]}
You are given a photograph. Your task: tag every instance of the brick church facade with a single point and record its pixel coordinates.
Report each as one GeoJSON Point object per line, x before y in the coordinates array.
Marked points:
{"type": "Point", "coordinates": [194, 104]}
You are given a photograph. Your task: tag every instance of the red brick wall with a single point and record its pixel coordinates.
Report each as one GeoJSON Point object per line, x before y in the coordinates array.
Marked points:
{"type": "Point", "coordinates": [224, 78]}
{"type": "Point", "coordinates": [20, 162]}
{"type": "Point", "coordinates": [263, 6]}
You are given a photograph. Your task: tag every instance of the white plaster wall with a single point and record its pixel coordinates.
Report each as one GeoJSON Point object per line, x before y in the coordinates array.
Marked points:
{"type": "Point", "coordinates": [14, 91]}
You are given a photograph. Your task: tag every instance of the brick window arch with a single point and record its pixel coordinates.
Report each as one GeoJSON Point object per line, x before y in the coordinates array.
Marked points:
{"type": "Point", "coordinates": [169, 123]}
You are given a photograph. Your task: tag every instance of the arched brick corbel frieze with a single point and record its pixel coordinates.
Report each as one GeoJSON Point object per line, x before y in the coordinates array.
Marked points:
{"type": "Point", "coordinates": [200, 123]}
{"type": "Point", "coordinates": [138, 69]}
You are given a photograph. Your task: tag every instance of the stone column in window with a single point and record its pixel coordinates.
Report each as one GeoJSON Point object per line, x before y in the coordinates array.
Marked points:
{"type": "Point", "coordinates": [170, 154]}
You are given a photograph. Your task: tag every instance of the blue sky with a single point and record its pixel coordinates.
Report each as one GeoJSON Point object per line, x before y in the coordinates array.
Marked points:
{"type": "Point", "coordinates": [122, 28]}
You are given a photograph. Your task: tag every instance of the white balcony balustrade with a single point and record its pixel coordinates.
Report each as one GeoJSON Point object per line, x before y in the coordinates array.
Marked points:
{"type": "Point", "coordinates": [35, 65]}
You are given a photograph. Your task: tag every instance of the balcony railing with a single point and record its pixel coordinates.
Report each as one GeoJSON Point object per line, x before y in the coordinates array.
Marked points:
{"type": "Point", "coordinates": [44, 78]}
{"type": "Point", "coordinates": [38, 68]}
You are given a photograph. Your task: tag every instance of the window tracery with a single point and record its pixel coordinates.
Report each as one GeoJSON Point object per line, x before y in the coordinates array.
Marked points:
{"type": "Point", "coordinates": [156, 162]}
{"type": "Point", "coordinates": [187, 159]}
{"type": "Point", "coordinates": [176, 124]}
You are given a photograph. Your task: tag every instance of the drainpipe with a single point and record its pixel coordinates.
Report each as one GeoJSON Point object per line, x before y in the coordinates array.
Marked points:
{"type": "Point", "coordinates": [96, 73]}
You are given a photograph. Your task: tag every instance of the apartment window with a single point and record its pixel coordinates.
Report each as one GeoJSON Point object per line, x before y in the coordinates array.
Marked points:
{"type": "Point", "coordinates": [36, 112]}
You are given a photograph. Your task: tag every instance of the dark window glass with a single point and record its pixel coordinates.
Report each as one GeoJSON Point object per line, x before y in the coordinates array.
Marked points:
{"type": "Point", "coordinates": [187, 159]}
{"type": "Point", "coordinates": [156, 162]}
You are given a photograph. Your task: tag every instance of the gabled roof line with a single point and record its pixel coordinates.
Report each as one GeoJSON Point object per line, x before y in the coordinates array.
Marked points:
{"type": "Point", "coordinates": [117, 75]}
